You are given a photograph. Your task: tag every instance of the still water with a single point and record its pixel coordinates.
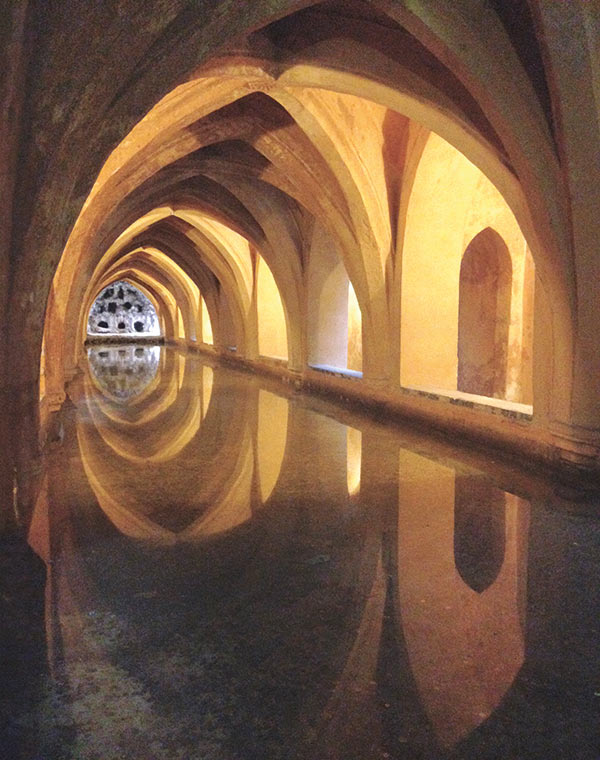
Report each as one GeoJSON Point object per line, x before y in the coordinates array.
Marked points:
{"type": "Point", "coordinates": [235, 571]}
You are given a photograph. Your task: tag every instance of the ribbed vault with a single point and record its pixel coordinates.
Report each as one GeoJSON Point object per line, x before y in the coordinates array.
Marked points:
{"type": "Point", "coordinates": [286, 141]}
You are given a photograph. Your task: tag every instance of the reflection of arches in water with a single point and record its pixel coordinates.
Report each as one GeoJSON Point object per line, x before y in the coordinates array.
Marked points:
{"type": "Point", "coordinates": [479, 531]}
{"type": "Point", "coordinates": [160, 506]}
{"type": "Point", "coordinates": [484, 315]}
{"type": "Point", "coordinates": [170, 421]}
{"type": "Point", "coordinates": [232, 508]}
{"type": "Point", "coordinates": [144, 407]}
{"type": "Point", "coordinates": [125, 371]}
{"type": "Point", "coordinates": [465, 648]}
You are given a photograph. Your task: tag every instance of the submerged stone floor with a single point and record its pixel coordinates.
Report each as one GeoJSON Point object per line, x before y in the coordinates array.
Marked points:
{"type": "Point", "coordinates": [236, 574]}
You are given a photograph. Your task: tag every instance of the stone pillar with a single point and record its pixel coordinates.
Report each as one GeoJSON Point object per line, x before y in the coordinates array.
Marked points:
{"type": "Point", "coordinates": [13, 55]}
{"type": "Point", "coordinates": [573, 56]}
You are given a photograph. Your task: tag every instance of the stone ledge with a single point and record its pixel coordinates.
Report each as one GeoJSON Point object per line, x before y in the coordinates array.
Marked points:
{"type": "Point", "coordinates": [510, 409]}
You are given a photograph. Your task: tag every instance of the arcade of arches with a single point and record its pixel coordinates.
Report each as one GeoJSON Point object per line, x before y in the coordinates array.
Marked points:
{"type": "Point", "coordinates": [393, 201]}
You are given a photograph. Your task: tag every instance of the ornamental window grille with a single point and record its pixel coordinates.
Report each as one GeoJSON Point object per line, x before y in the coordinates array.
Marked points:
{"type": "Point", "coordinates": [122, 309]}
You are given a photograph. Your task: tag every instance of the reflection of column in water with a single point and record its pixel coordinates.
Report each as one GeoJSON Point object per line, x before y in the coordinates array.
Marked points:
{"type": "Point", "coordinates": [354, 456]}
{"type": "Point", "coordinates": [271, 439]}
{"type": "Point", "coordinates": [207, 386]}
{"type": "Point", "coordinates": [181, 370]}
{"type": "Point", "coordinates": [352, 716]}
{"type": "Point", "coordinates": [465, 646]}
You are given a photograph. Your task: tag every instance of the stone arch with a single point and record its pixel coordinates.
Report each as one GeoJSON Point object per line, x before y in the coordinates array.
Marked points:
{"type": "Point", "coordinates": [159, 296]}
{"type": "Point", "coordinates": [473, 49]}
{"type": "Point", "coordinates": [167, 275]}
{"type": "Point", "coordinates": [294, 78]}
{"type": "Point", "coordinates": [484, 315]}
{"type": "Point", "coordinates": [159, 286]}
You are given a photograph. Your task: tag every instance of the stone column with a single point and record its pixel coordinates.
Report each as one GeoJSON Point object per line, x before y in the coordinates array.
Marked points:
{"type": "Point", "coordinates": [13, 60]}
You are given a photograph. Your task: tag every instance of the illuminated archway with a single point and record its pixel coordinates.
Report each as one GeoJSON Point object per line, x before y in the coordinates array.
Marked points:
{"type": "Point", "coordinates": [250, 155]}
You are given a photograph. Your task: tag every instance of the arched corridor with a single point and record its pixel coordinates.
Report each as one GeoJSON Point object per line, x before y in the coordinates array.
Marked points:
{"type": "Point", "coordinates": [217, 223]}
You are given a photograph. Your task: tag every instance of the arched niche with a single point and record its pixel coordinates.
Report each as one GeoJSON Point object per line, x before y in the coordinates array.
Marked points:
{"type": "Point", "coordinates": [484, 306]}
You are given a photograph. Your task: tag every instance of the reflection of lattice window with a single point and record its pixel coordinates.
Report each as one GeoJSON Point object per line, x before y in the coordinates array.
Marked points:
{"type": "Point", "coordinates": [126, 371]}
{"type": "Point", "coordinates": [121, 309]}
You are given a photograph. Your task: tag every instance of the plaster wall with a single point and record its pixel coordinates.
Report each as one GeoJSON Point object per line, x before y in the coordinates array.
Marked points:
{"type": "Point", "coordinates": [327, 312]}
{"type": "Point", "coordinates": [207, 333]}
{"type": "Point", "coordinates": [450, 203]}
{"type": "Point", "coordinates": [354, 360]}
{"type": "Point", "coordinates": [272, 331]}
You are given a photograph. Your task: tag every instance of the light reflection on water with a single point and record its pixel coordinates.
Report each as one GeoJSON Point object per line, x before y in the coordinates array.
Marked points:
{"type": "Point", "coordinates": [253, 578]}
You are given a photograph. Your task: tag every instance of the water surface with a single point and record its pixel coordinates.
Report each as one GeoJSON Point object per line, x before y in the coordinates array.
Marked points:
{"type": "Point", "coordinates": [236, 571]}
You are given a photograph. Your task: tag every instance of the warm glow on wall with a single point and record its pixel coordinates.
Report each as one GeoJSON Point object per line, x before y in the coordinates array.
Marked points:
{"type": "Point", "coordinates": [180, 325]}
{"type": "Point", "coordinates": [207, 333]}
{"type": "Point", "coordinates": [272, 333]}
{"type": "Point", "coordinates": [354, 331]}
{"type": "Point", "coordinates": [207, 386]}
{"type": "Point", "coordinates": [195, 307]}
{"type": "Point", "coordinates": [451, 190]}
